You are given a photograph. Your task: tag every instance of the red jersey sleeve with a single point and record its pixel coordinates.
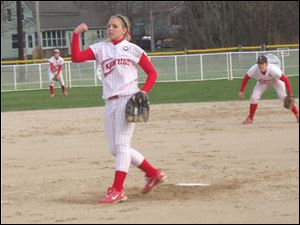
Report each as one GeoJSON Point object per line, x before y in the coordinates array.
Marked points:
{"type": "Point", "coordinates": [244, 82]}
{"type": "Point", "coordinates": [52, 67]}
{"type": "Point", "coordinates": [287, 82]}
{"type": "Point", "coordinates": [59, 69]}
{"type": "Point", "coordinates": [149, 69]}
{"type": "Point", "coordinates": [76, 54]}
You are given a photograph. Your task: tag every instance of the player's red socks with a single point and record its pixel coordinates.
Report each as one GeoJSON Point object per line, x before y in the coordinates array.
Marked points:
{"type": "Point", "coordinates": [51, 90]}
{"type": "Point", "coordinates": [295, 110]}
{"type": "Point", "coordinates": [63, 89]}
{"type": "Point", "coordinates": [119, 180]}
{"type": "Point", "coordinates": [148, 168]}
{"type": "Point", "coordinates": [253, 108]}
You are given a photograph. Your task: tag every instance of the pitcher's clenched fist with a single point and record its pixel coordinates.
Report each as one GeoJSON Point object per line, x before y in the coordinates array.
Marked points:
{"type": "Point", "coordinates": [81, 28]}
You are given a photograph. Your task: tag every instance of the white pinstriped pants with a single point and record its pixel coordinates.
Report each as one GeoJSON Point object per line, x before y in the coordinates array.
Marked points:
{"type": "Point", "coordinates": [119, 133]}
{"type": "Point", "coordinates": [260, 88]}
{"type": "Point", "coordinates": [51, 76]}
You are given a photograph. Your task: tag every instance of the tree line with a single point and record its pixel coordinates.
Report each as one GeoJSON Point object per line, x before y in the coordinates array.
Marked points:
{"type": "Point", "coordinates": [204, 24]}
{"type": "Point", "coordinates": [209, 24]}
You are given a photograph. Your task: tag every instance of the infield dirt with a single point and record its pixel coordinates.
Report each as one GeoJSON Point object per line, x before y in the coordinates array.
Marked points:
{"type": "Point", "coordinates": [55, 165]}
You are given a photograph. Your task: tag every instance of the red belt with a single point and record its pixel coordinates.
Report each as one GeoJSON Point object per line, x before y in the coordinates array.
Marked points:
{"type": "Point", "coordinates": [114, 97]}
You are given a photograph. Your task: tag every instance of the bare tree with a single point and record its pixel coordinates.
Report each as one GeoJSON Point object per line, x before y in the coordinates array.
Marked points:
{"type": "Point", "coordinates": [208, 24]}
{"type": "Point", "coordinates": [129, 9]}
{"type": "Point", "coordinates": [109, 7]}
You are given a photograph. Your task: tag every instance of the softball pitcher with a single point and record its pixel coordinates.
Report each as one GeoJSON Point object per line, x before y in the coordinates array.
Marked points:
{"type": "Point", "coordinates": [119, 60]}
{"type": "Point", "coordinates": [55, 72]}
{"type": "Point", "coordinates": [266, 75]}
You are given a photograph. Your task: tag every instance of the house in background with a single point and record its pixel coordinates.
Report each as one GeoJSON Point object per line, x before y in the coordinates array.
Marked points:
{"type": "Point", "coordinates": [58, 20]}
{"type": "Point", "coordinates": [166, 18]}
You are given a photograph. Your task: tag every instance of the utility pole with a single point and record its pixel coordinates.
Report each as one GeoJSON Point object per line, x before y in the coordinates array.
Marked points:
{"type": "Point", "coordinates": [20, 31]}
{"type": "Point", "coordinates": [151, 27]}
{"type": "Point", "coordinates": [38, 28]}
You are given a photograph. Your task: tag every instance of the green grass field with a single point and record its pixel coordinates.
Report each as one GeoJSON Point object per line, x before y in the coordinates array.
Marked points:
{"type": "Point", "coordinates": [196, 91]}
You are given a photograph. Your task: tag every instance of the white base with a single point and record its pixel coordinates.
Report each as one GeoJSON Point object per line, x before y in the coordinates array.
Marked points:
{"type": "Point", "coordinates": [192, 184]}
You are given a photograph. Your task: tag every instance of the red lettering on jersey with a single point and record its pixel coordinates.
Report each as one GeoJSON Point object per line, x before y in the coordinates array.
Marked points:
{"type": "Point", "coordinates": [262, 81]}
{"type": "Point", "coordinates": [109, 66]}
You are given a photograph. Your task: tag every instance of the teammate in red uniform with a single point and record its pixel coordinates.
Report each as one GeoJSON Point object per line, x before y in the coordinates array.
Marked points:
{"type": "Point", "coordinates": [55, 72]}
{"type": "Point", "coordinates": [266, 75]}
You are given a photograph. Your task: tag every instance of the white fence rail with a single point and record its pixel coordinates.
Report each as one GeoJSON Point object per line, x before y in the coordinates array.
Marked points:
{"type": "Point", "coordinates": [170, 68]}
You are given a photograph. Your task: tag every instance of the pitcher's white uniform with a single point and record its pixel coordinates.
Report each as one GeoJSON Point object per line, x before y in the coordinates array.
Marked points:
{"type": "Point", "coordinates": [271, 77]}
{"type": "Point", "coordinates": [56, 63]}
{"type": "Point", "coordinates": [120, 81]}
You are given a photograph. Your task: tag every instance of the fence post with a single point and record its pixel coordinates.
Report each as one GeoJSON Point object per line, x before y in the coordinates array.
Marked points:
{"type": "Point", "coordinates": [95, 72]}
{"type": "Point", "coordinates": [176, 70]}
{"type": "Point", "coordinates": [282, 60]}
{"type": "Point", "coordinates": [230, 66]}
{"type": "Point", "coordinates": [201, 67]}
{"type": "Point", "coordinates": [69, 70]}
{"type": "Point", "coordinates": [15, 78]}
{"type": "Point", "coordinates": [227, 59]}
{"type": "Point", "coordinates": [185, 61]}
{"type": "Point", "coordinates": [66, 73]}
{"type": "Point", "coordinates": [40, 75]}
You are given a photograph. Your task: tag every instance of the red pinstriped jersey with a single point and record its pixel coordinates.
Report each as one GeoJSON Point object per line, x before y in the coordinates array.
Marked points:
{"type": "Point", "coordinates": [273, 73]}
{"type": "Point", "coordinates": [119, 65]}
{"type": "Point", "coordinates": [56, 63]}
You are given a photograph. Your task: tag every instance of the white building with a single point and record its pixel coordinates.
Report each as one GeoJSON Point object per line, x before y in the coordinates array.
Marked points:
{"type": "Point", "coordinates": [58, 19]}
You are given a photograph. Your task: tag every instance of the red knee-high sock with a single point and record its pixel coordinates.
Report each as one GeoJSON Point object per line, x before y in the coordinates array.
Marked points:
{"type": "Point", "coordinates": [51, 90]}
{"type": "Point", "coordinates": [119, 180]}
{"type": "Point", "coordinates": [148, 168]}
{"type": "Point", "coordinates": [295, 110]}
{"type": "Point", "coordinates": [253, 108]}
{"type": "Point", "coordinates": [63, 88]}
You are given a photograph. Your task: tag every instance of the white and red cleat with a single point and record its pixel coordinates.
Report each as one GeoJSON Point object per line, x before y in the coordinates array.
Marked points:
{"type": "Point", "coordinates": [248, 120]}
{"type": "Point", "coordinates": [51, 95]}
{"type": "Point", "coordinates": [152, 182]}
{"type": "Point", "coordinates": [113, 196]}
{"type": "Point", "coordinates": [65, 93]}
